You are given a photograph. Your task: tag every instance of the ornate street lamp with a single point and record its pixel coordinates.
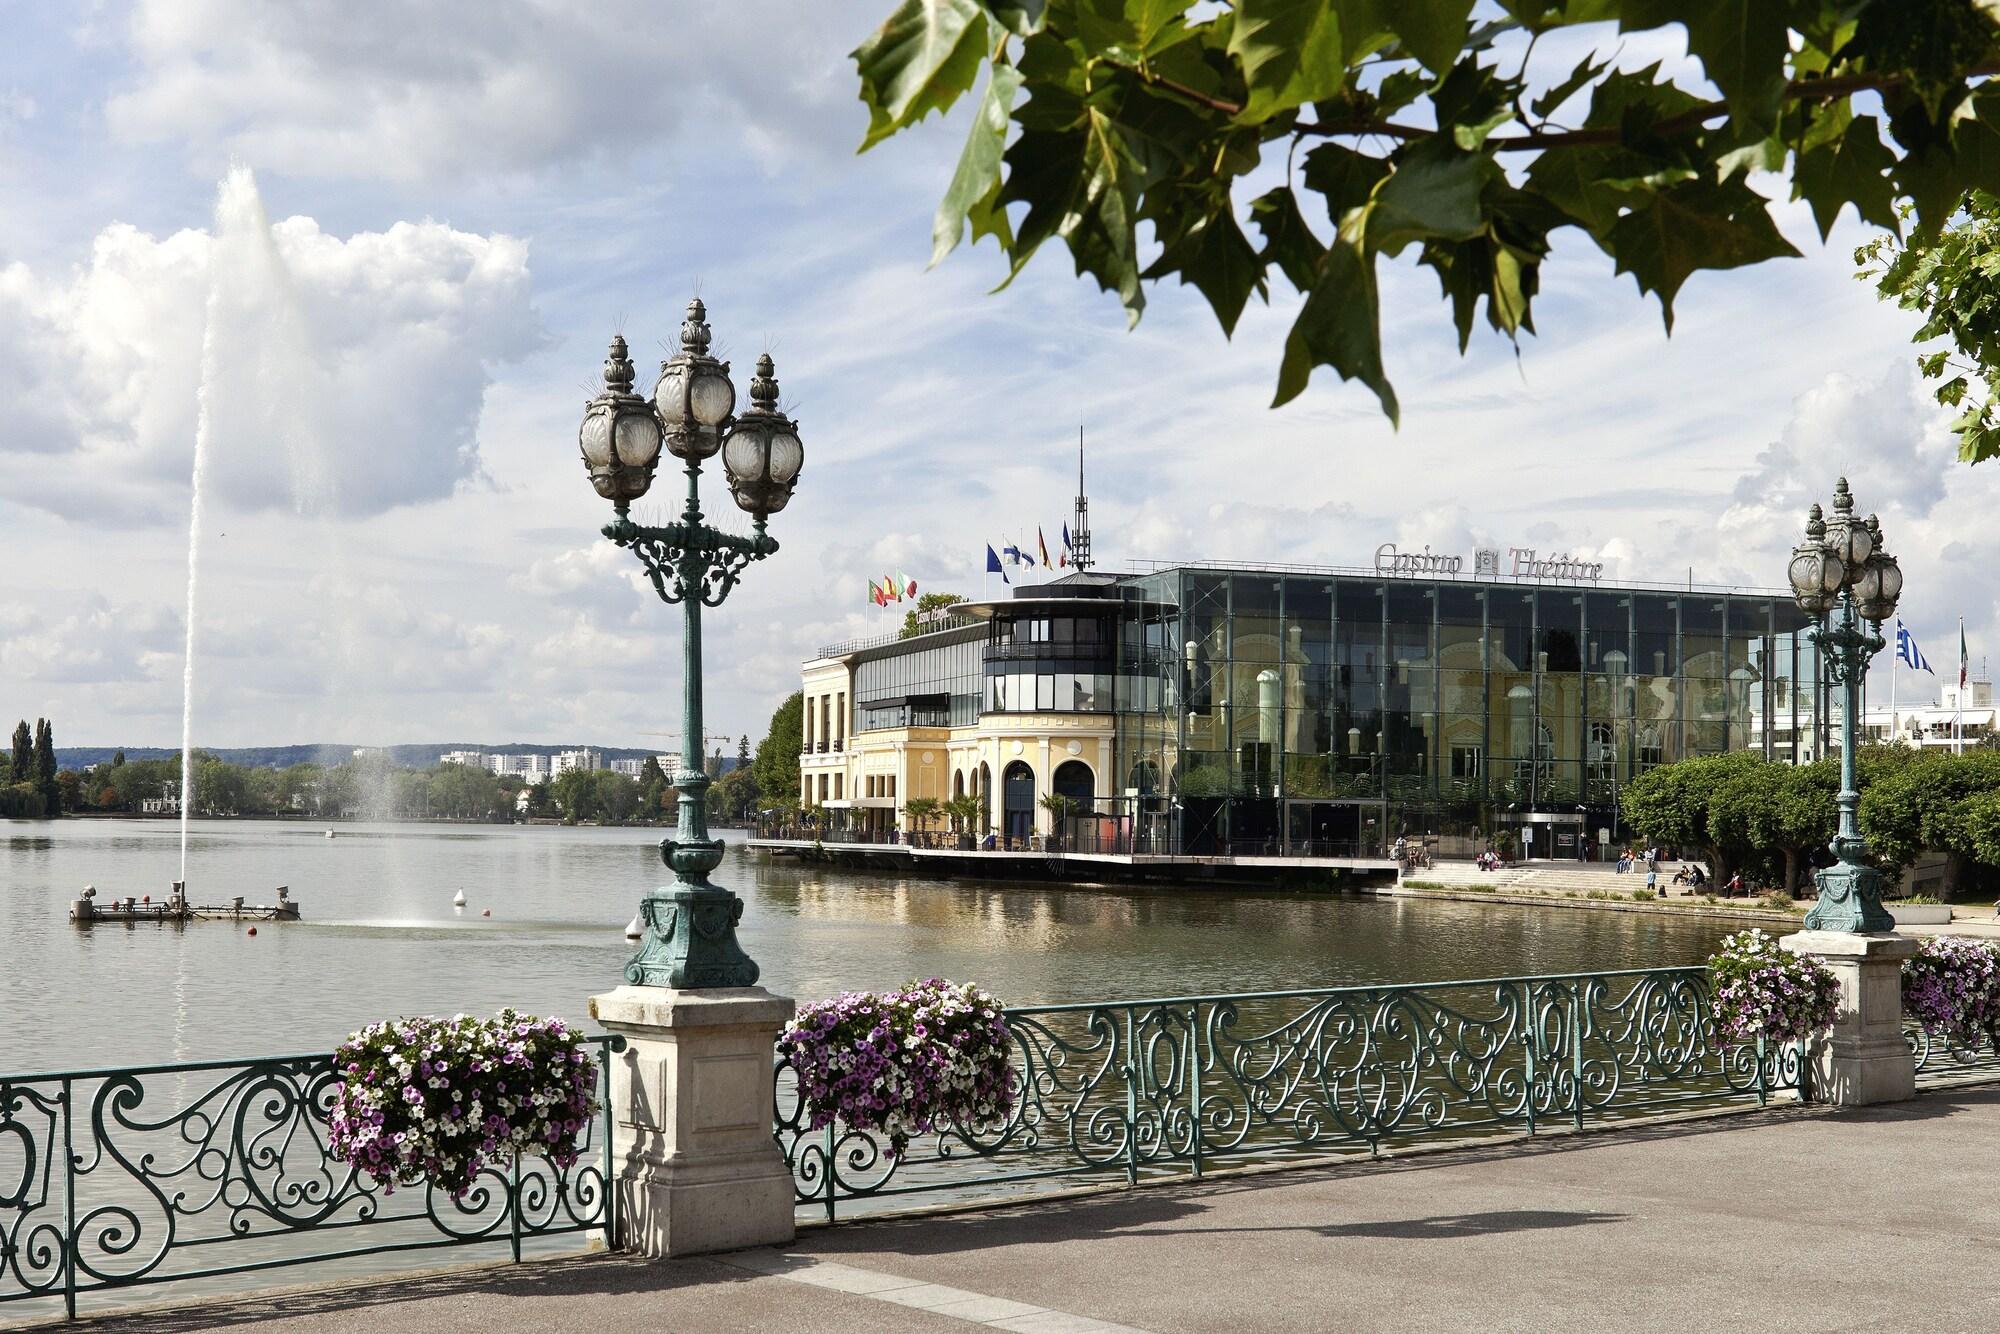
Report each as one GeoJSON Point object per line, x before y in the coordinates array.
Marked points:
{"type": "Point", "coordinates": [689, 926]}
{"type": "Point", "coordinates": [1842, 564]}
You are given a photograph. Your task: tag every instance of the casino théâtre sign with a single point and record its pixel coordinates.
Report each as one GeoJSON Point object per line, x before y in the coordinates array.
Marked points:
{"type": "Point", "coordinates": [1520, 563]}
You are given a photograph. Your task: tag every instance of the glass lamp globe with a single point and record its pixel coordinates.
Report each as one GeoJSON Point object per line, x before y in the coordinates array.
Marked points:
{"type": "Point", "coordinates": [763, 454]}
{"type": "Point", "coordinates": [1848, 536]}
{"type": "Point", "coordinates": [694, 395]}
{"type": "Point", "coordinates": [1815, 574]}
{"type": "Point", "coordinates": [620, 437]}
{"type": "Point", "coordinates": [1879, 587]}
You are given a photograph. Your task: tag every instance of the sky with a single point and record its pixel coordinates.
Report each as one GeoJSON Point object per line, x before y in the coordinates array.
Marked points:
{"type": "Point", "coordinates": [401, 305]}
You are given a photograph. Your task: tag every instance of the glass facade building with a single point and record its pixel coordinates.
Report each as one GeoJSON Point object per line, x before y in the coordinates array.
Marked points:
{"type": "Point", "coordinates": [1327, 712]}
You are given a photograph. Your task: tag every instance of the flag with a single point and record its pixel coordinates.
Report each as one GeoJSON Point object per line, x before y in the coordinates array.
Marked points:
{"type": "Point", "coordinates": [1027, 556]}
{"type": "Point", "coordinates": [1964, 662]}
{"type": "Point", "coordinates": [874, 593]}
{"type": "Point", "coordinates": [1013, 554]}
{"type": "Point", "coordinates": [993, 565]}
{"type": "Point", "coordinates": [907, 584]}
{"type": "Point", "coordinates": [894, 589]}
{"type": "Point", "coordinates": [1068, 556]}
{"type": "Point", "coordinates": [1907, 651]}
{"type": "Point", "coordinates": [1043, 543]}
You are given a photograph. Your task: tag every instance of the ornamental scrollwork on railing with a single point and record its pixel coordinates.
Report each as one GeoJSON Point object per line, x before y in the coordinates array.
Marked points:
{"type": "Point", "coordinates": [1144, 1086]}
{"type": "Point", "coordinates": [198, 1170]}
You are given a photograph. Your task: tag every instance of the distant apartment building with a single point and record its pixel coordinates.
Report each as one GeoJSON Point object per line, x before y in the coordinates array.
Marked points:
{"type": "Point", "coordinates": [635, 768]}
{"type": "Point", "coordinates": [534, 767]}
{"type": "Point", "coordinates": [588, 759]}
{"type": "Point", "coordinates": [472, 759]}
{"type": "Point", "coordinates": [1960, 719]}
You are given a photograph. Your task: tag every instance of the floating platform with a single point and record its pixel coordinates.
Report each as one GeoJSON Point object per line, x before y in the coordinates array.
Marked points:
{"type": "Point", "coordinates": [88, 910]}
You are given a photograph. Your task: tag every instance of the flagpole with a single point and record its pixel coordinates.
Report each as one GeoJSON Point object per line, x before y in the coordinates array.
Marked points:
{"type": "Point", "coordinates": [1958, 720]}
{"type": "Point", "coordinates": [1895, 718]}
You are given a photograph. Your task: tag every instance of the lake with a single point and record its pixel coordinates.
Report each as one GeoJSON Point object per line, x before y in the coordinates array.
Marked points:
{"type": "Point", "coordinates": [380, 937]}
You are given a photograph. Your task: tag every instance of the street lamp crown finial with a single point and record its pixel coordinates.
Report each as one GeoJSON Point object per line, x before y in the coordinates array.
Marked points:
{"type": "Point", "coordinates": [1815, 522]}
{"type": "Point", "coordinates": [764, 385]}
{"type": "Point", "coordinates": [1843, 499]}
{"type": "Point", "coordinates": [618, 373]}
{"type": "Point", "coordinates": [694, 329]}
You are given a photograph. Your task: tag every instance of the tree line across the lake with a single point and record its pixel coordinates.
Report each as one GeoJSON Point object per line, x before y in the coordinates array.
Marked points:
{"type": "Point", "coordinates": [33, 785]}
{"type": "Point", "coordinates": [1772, 821]}
{"type": "Point", "coordinates": [365, 787]}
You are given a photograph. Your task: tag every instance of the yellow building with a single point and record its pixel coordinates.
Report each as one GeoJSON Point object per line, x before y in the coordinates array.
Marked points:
{"type": "Point", "coordinates": [888, 722]}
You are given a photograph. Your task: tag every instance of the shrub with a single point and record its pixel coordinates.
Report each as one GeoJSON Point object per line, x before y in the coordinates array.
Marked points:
{"type": "Point", "coordinates": [1952, 987]}
{"type": "Point", "coordinates": [428, 1099]}
{"type": "Point", "coordinates": [1644, 896]}
{"type": "Point", "coordinates": [1777, 901]}
{"type": "Point", "coordinates": [904, 1063]}
{"type": "Point", "coordinates": [1764, 991]}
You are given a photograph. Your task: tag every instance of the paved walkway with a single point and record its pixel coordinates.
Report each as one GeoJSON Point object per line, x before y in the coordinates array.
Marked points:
{"type": "Point", "coordinates": [1793, 1219]}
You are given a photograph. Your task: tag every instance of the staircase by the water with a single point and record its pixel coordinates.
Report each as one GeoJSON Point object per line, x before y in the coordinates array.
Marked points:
{"type": "Point", "coordinates": [1550, 877]}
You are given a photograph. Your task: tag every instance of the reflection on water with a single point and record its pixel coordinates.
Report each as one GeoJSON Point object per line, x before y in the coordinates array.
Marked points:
{"type": "Point", "coordinates": [381, 937]}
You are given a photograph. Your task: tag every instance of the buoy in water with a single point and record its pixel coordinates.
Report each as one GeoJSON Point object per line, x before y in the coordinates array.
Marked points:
{"type": "Point", "coordinates": [485, 912]}
{"type": "Point", "coordinates": [634, 929]}
{"type": "Point", "coordinates": [253, 931]}
{"type": "Point", "coordinates": [458, 899]}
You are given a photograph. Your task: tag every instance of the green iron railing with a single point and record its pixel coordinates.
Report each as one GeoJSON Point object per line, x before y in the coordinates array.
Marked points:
{"type": "Point", "coordinates": [1150, 1088]}
{"type": "Point", "coordinates": [111, 1179]}
{"type": "Point", "coordinates": [1942, 1059]}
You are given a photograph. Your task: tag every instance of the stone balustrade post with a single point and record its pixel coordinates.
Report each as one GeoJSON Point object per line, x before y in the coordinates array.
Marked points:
{"type": "Point", "coordinates": [1863, 1058]}
{"type": "Point", "coordinates": [697, 1166]}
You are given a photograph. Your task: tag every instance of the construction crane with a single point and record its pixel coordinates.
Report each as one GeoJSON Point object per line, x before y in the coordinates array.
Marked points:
{"type": "Point", "coordinates": [705, 736]}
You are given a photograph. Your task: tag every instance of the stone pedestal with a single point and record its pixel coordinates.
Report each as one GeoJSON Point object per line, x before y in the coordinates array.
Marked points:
{"type": "Point", "coordinates": [1863, 1058]}
{"type": "Point", "coordinates": [697, 1167]}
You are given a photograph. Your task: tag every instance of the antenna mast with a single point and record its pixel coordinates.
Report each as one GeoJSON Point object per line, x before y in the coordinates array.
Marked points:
{"type": "Point", "coordinates": [1079, 538]}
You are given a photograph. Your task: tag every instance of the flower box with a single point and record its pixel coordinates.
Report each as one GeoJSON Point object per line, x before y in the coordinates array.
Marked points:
{"type": "Point", "coordinates": [904, 1063]}
{"type": "Point", "coordinates": [432, 1100]}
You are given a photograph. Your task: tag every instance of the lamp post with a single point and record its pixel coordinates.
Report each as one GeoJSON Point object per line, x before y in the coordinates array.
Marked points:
{"type": "Point", "coordinates": [689, 935]}
{"type": "Point", "coordinates": [1841, 567]}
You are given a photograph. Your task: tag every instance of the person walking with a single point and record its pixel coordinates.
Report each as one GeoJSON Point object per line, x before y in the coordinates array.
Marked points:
{"type": "Point", "coordinates": [1653, 881]}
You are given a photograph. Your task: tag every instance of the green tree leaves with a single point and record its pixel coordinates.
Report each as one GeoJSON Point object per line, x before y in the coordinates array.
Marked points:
{"type": "Point", "coordinates": [1952, 277]}
{"type": "Point", "coordinates": [974, 193]}
{"type": "Point", "coordinates": [1691, 226]}
{"type": "Point", "coordinates": [1123, 129]}
{"type": "Point", "coordinates": [919, 61]}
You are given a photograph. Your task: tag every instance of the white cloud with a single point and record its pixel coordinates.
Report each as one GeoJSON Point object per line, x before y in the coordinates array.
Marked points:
{"type": "Point", "coordinates": [90, 642]}
{"type": "Point", "coordinates": [348, 375]}
{"type": "Point", "coordinates": [431, 90]}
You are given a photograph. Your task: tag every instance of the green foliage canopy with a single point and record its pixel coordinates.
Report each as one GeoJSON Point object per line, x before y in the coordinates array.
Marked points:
{"type": "Point", "coordinates": [1952, 276]}
{"type": "Point", "coordinates": [1408, 129]}
{"type": "Point", "coordinates": [777, 762]}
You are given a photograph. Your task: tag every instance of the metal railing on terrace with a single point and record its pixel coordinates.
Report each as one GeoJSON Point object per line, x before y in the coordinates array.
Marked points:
{"type": "Point", "coordinates": [847, 646]}
{"type": "Point", "coordinates": [203, 1173]}
{"type": "Point", "coordinates": [1151, 1089]}
{"type": "Point", "coordinates": [188, 1174]}
{"type": "Point", "coordinates": [1124, 842]}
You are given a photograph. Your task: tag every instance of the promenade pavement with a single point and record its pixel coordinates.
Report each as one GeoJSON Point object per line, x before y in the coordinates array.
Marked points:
{"type": "Point", "coordinates": [1792, 1219]}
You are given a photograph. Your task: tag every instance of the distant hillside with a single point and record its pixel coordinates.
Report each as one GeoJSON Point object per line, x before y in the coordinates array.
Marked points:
{"type": "Point", "coordinates": [279, 757]}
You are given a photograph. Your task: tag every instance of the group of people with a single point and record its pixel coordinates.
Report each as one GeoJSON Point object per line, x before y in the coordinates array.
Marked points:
{"type": "Point", "coordinates": [1628, 858]}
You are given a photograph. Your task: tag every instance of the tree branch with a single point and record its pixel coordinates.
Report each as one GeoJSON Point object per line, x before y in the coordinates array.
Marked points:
{"type": "Point", "coordinates": [1800, 90]}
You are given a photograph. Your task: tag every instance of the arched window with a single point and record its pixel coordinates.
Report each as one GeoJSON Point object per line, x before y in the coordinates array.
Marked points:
{"type": "Point", "coordinates": [1017, 802]}
{"type": "Point", "coordinates": [1074, 780]}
